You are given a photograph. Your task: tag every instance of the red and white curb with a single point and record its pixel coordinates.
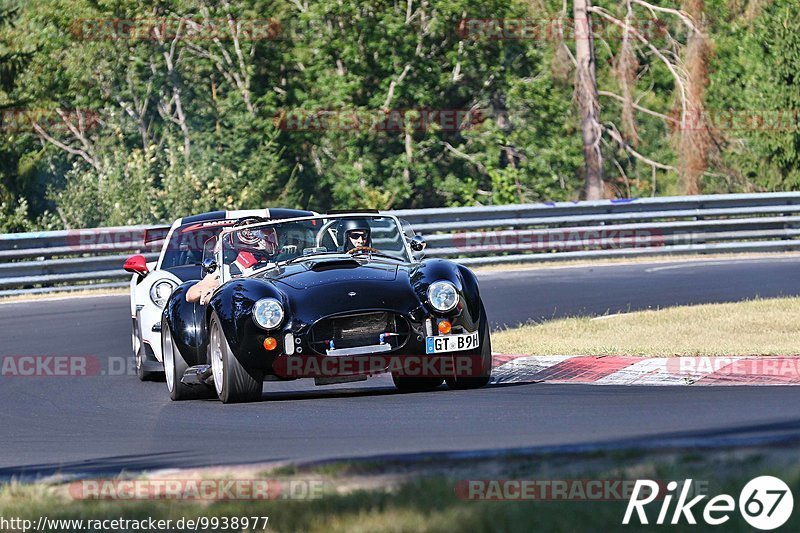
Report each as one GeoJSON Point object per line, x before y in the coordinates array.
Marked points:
{"type": "Point", "coordinates": [616, 370]}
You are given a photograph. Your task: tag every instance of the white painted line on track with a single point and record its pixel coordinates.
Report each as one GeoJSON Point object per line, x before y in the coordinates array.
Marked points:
{"type": "Point", "coordinates": [604, 317]}
{"type": "Point", "coordinates": [60, 298]}
{"type": "Point", "coordinates": [522, 369]}
{"type": "Point", "coordinates": [651, 371]}
{"type": "Point", "coordinates": [720, 262]}
{"type": "Point", "coordinates": [665, 262]}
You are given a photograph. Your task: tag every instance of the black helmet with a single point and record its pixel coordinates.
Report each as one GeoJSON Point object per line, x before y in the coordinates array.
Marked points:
{"type": "Point", "coordinates": [347, 226]}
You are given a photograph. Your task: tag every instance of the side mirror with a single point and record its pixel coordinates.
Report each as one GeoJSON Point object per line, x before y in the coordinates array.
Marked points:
{"type": "Point", "coordinates": [417, 244]}
{"type": "Point", "coordinates": [136, 264]}
{"type": "Point", "coordinates": [209, 266]}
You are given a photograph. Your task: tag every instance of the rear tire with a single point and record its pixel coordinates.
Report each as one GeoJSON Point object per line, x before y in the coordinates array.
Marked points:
{"type": "Point", "coordinates": [139, 356]}
{"type": "Point", "coordinates": [141, 373]}
{"type": "Point", "coordinates": [484, 372]}
{"type": "Point", "coordinates": [233, 382]}
{"type": "Point", "coordinates": [407, 384]}
{"type": "Point", "coordinates": [174, 368]}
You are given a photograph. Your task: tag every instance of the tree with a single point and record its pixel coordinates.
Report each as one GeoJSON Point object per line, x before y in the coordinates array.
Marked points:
{"type": "Point", "coordinates": [586, 95]}
{"type": "Point", "coordinates": [754, 95]}
{"type": "Point", "coordinates": [660, 50]}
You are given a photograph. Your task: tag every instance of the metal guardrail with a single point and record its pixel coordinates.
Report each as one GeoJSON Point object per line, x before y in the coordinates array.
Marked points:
{"type": "Point", "coordinates": [54, 261]}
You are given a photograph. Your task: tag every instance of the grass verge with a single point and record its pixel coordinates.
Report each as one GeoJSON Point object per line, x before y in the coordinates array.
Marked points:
{"type": "Point", "coordinates": [423, 495]}
{"type": "Point", "coordinates": [754, 327]}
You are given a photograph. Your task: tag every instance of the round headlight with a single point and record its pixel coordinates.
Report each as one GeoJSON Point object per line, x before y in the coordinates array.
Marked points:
{"type": "Point", "coordinates": [268, 313]}
{"type": "Point", "coordinates": [160, 291]}
{"type": "Point", "coordinates": [442, 295]}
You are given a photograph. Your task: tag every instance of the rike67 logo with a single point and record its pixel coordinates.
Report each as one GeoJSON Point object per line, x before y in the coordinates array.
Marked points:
{"type": "Point", "coordinates": [765, 503]}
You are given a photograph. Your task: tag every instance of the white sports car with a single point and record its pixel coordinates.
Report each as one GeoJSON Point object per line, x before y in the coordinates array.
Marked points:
{"type": "Point", "coordinates": [179, 261]}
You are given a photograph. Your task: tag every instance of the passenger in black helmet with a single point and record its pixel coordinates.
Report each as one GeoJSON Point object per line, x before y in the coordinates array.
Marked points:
{"type": "Point", "coordinates": [356, 234]}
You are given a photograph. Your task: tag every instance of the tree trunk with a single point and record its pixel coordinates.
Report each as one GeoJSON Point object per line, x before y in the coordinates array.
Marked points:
{"type": "Point", "coordinates": [586, 96]}
{"type": "Point", "coordinates": [695, 142]}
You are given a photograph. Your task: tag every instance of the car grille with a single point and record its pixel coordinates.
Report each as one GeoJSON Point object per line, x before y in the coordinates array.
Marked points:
{"type": "Point", "coordinates": [363, 329]}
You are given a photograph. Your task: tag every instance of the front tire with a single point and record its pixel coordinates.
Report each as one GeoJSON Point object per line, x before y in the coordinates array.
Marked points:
{"type": "Point", "coordinates": [174, 368]}
{"type": "Point", "coordinates": [233, 382]}
{"type": "Point", "coordinates": [483, 373]}
{"type": "Point", "coordinates": [139, 356]}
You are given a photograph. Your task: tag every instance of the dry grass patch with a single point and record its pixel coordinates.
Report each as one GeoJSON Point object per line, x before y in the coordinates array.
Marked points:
{"type": "Point", "coordinates": [754, 327]}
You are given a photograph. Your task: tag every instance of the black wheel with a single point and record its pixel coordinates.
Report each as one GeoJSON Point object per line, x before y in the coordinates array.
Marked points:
{"type": "Point", "coordinates": [143, 363]}
{"type": "Point", "coordinates": [233, 382]}
{"type": "Point", "coordinates": [143, 374]}
{"type": "Point", "coordinates": [174, 368]}
{"type": "Point", "coordinates": [409, 384]}
{"type": "Point", "coordinates": [137, 346]}
{"type": "Point", "coordinates": [480, 376]}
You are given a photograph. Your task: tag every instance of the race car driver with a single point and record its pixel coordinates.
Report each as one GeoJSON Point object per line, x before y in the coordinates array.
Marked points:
{"type": "Point", "coordinates": [357, 234]}
{"type": "Point", "coordinates": [256, 248]}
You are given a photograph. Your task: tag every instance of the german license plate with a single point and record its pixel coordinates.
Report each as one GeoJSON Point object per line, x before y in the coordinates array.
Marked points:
{"type": "Point", "coordinates": [451, 343]}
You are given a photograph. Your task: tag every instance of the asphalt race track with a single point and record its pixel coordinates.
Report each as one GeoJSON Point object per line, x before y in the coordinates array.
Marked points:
{"type": "Point", "coordinates": [108, 422]}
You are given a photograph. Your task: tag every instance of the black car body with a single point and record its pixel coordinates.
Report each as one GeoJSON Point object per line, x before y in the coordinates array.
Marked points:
{"type": "Point", "coordinates": [179, 261]}
{"type": "Point", "coordinates": [351, 308]}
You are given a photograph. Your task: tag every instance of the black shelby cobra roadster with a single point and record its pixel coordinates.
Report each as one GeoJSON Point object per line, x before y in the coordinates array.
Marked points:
{"type": "Point", "coordinates": [334, 297]}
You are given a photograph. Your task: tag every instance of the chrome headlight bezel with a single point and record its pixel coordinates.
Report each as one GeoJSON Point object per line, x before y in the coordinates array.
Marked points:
{"type": "Point", "coordinates": [268, 313]}
{"type": "Point", "coordinates": [159, 299]}
{"type": "Point", "coordinates": [439, 288]}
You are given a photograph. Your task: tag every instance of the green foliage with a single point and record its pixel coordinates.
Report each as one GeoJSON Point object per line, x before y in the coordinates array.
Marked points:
{"type": "Point", "coordinates": [758, 66]}
{"type": "Point", "coordinates": [14, 218]}
{"type": "Point", "coordinates": [176, 127]}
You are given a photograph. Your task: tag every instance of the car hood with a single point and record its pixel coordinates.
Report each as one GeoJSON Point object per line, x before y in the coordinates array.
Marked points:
{"type": "Point", "coordinates": [335, 287]}
{"type": "Point", "coordinates": [331, 272]}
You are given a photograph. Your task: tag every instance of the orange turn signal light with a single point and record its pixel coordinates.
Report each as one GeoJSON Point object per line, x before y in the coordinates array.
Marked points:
{"type": "Point", "coordinates": [270, 343]}
{"type": "Point", "coordinates": [445, 327]}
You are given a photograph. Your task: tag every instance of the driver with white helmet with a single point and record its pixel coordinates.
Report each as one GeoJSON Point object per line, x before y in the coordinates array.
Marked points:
{"type": "Point", "coordinates": [256, 248]}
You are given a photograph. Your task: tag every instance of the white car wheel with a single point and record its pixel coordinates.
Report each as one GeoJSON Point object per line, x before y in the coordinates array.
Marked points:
{"type": "Point", "coordinates": [233, 382]}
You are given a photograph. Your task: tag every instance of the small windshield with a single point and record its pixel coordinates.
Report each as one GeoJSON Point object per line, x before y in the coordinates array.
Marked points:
{"type": "Point", "coordinates": [248, 250]}
{"type": "Point", "coordinates": [185, 246]}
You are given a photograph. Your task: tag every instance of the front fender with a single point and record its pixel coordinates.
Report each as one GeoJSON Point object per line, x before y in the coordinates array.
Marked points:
{"type": "Point", "coordinates": [181, 317]}
{"type": "Point", "coordinates": [233, 305]}
{"type": "Point", "coordinates": [466, 284]}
